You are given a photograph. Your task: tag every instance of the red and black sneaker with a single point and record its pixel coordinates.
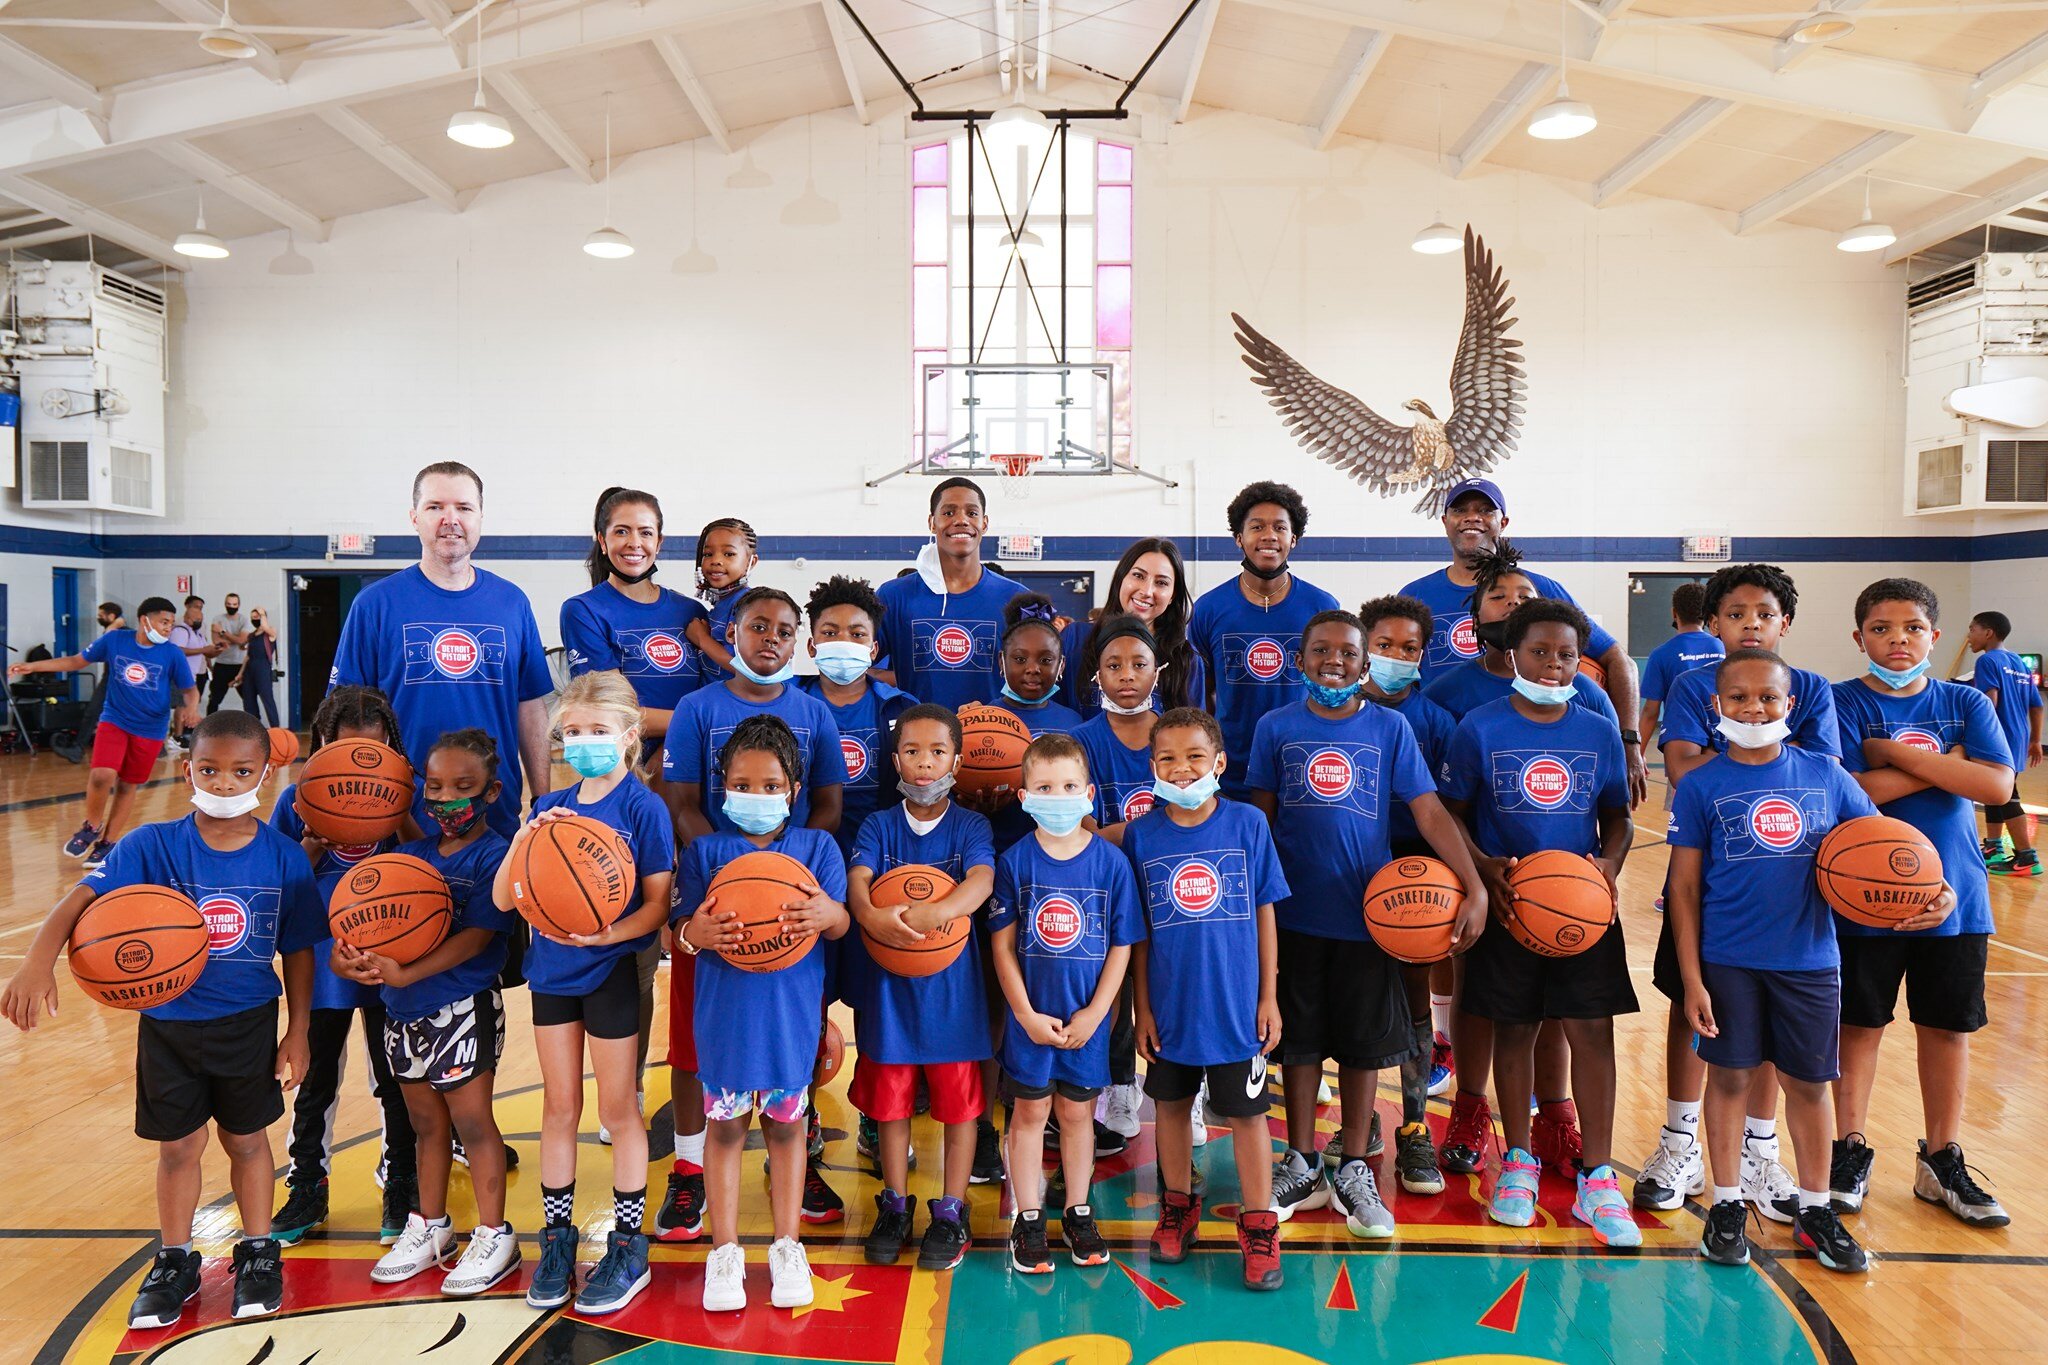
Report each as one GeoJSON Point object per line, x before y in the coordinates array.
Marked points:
{"type": "Point", "coordinates": [1554, 1138]}
{"type": "Point", "coordinates": [681, 1215]}
{"type": "Point", "coordinates": [1258, 1237]}
{"type": "Point", "coordinates": [1470, 1129]}
{"type": "Point", "coordinates": [1180, 1216]}
{"type": "Point", "coordinates": [821, 1203]}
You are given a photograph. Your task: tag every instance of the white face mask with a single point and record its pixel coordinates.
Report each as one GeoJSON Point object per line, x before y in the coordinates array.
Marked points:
{"type": "Point", "coordinates": [227, 807]}
{"type": "Point", "coordinates": [1744, 736]}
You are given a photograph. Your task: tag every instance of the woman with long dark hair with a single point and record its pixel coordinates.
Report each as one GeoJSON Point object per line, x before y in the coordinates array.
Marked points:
{"type": "Point", "coordinates": [1151, 583]}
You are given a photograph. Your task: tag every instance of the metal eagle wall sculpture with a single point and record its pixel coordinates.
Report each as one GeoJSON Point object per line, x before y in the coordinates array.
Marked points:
{"type": "Point", "coordinates": [1487, 381]}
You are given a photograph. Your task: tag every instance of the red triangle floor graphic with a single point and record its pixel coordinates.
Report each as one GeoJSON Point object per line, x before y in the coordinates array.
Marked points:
{"type": "Point", "coordinates": [1155, 1294]}
{"type": "Point", "coordinates": [1506, 1312]}
{"type": "Point", "coordinates": [1342, 1299]}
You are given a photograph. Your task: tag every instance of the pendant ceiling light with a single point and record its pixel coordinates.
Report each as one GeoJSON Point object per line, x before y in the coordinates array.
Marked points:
{"type": "Point", "coordinates": [199, 243]}
{"type": "Point", "coordinates": [810, 209]}
{"type": "Point", "coordinates": [1824, 25]}
{"type": "Point", "coordinates": [477, 126]}
{"type": "Point", "coordinates": [1439, 237]}
{"type": "Point", "coordinates": [227, 40]}
{"type": "Point", "coordinates": [696, 260]}
{"type": "Point", "coordinates": [608, 242]}
{"type": "Point", "coordinates": [1564, 117]}
{"type": "Point", "coordinates": [1866, 235]}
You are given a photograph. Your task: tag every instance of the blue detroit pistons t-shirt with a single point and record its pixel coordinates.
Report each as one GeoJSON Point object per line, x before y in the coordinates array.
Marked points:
{"type": "Point", "coordinates": [1122, 775]}
{"type": "Point", "coordinates": [1452, 639]}
{"type": "Point", "coordinates": [330, 992]}
{"type": "Point", "coordinates": [447, 660]}
{"type": "Point", "coordinates": [777, 1045]}
{"type": "Point", "coordinates": [905, 1020]}
{"type": "Point", "coordinates": [634, 811]}
{"type": "Point", "coordinates": [1010, 823]}
{"type": "Point", "coordinates": [1689, 713]}
{"type": "Point", "coordinates": [705, 720]}
{"type": "Point", "coordinates": [1467, 687]}
{"type": "Point", "coordinates": [469, 872]}
{"type": "Point", "coordinates": [2019, 691]}
{"type": "Point", "coordinates": [1533, 785]}
{"type": "Point", "coordinates": [1758, 828]}
{"type": "Point", "coordinates": [864, 729]}
{"type": "Point", "coordinates": [1248, 651]}
{"type": "Point", "coordinates": [142, 682]}
{"type": "Point", "coordinates": [605, 629]}
{"type": "Point", "coordinates": [1682, 653]}
{"type": "Point", "coordinates": [1201, 889]}
{"type": "Point", "coordinates": [258, 901]}
{"type": "Point", "coordinates": [1433, 727]}
{"type": "Point", "coordinates": [946, 649]}
{"type": "Point", "coordinates": [1335, 784]}
{"type": "Point", "coordinates": [1940, 717]}
{"type": "Point", "coordinates": [1068, 914]}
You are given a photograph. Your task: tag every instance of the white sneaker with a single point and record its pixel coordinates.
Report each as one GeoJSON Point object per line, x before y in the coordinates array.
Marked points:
{"type": "Point", "coordinates": [1767, 1186]}
{"type": "Point", "coordinates": [1324, 1093]}
{"type": "Point", "coordinates": [492, 1254]}
{"type": "Point", "coordinates": [1201, 1117]}
{"type": "Point", "coordinates": [604, 1134]}
{"type": "Point", "coordinates": [1674, 1172]}
{"type": "Point", "coordinates": [789, 1271]}
{"type": "Point", "coordinates": [422, 1246]}
{"type": "Point", "coordinates": [1118, 1109]}
{"type": "Point", "coordinates": [725, 1279]}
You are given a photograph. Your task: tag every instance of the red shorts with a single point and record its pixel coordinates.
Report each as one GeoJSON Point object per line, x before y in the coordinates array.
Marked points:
{"type": "Point", "coordinates": [130, 756]}
{"type": "Point", "coordinates": [887, 1091]}
{"type": "Point", "coordinates": [682, 1013]}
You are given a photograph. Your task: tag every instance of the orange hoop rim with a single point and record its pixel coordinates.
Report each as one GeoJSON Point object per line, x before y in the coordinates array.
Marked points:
{"type": "Point", "coordinates": [1016, 464]}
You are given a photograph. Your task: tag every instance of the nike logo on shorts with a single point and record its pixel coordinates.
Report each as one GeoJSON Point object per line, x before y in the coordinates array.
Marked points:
{"type": "Point", "coordinates": [1255, 1079]}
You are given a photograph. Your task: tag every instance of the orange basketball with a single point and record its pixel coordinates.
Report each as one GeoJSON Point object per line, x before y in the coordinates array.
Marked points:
{"type": "Point", "coordinates": [1593, 671]}
{"type": "Point", "coordinates": [139, 946]}
{"type": "Point", "coordinates": [572, 876]}
{"type": "Point", "coordinates": [1562, 904]}
{"type": "Point", "coordinates": [758, 885]}
{"type": "Point", "coordinates": [1877, 871]}
{"type": "Point", "coordinates": [831, 1053]}
{"type": "Point", "coordinates": [354, 791]}
{"type": "Point", "coordinates": [1411, 906]}
{"type": "Point", "coordinates": [393, 904]}
{"type": "Point", "coordinates": [992, 744]}
{"type": "Point", "coordinates": [284, 746]}
{"type": "Point", "coordinates": [914, 884]}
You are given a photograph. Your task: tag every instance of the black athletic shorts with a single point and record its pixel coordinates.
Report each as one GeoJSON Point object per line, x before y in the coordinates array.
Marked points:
{"type": "Point", "coordinates": [1237, 1090]}
{"type": "Point", "coordinates": [1342, 1000]}
{"type": "Point", "coordinates": [448, 1048]}
{"type": "Point", "coordinates": [189, 1072]}
{"type": "Point", "coordinates": [612, 1010]}
{"type": "Point", "coordinates": [1066, 1090]}
{"type": "Point", "coordinates": [1943, 975]}
{"type": "Point", "coordinates": [1664, 973]}
{"type": "Point", "coordinates": [1508, 984]}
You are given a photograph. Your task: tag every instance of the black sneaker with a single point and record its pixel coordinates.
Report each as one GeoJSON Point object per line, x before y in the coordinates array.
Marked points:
{"type": "Point", "coordinates": [1083, 1238]}
{"type": "Point", "coordinates": [945, 1240]}
{"type": "Point", "coordinates": [1944, 1178]}
{"type": "Point", "coordinates": [988, 1156]}
{"type": "Point", "coordinates": [172, 1282]}
{"type": "Point", "coordinates": [1849, 1173]}
{"type": "Point", "coordinates": [401, 1201]}
{"type": "Point", "coordinates": [1820, 1231]}
{"type": "Point", "coordinates": [814, 1137]}
{"type": "Point", "coordinates": [822, 1203]}
{"type": "Point", "coordinates": [259, 1277]}
{"type": "Point", "coordinates": [867, 1141]}
{"type": "Point", "coordinates": [1029, 1254]}
{"type": "Point", "coordinates": [1727, 1237]}
{"type": "Point", "coordinates": [681, 1215]}
{"type": "Point", "coordinates": [1108, 1141]}
{"type": "Point", "coordinates": [80, 843]}
{"type": "Point", "coordinates": [511, 1158]}
{"type": "Point", "coordinates": [885, 1239]}
{"type": "Point", "coordinates": [99, 853]}
{"type": "Point", "coordinates": [305, 1208]}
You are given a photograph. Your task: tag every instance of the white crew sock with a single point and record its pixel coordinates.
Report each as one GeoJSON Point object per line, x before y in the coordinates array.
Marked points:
{"type": "Point", "coordinates": [1440, 1013]}
{"type": "Point", "coordinates": [1683, 1116]}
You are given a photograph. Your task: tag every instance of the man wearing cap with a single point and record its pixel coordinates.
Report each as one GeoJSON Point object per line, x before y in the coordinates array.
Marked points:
{"type": "Point", "coordinates": [1475, 516]}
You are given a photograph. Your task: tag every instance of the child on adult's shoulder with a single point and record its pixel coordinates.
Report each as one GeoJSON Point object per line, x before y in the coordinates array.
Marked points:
{"type": "Point", "coordinates": [2014, 690]}
{"type": "Point", "coordinates": [725, 556]}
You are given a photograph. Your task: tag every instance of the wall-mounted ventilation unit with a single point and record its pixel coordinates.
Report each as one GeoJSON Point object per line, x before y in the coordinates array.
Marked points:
{"type": "Point", "coordinates": [1980, 325]}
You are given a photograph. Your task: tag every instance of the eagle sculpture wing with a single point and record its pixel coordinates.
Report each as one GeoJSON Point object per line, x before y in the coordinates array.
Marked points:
{"type": "Point", "coordinates": [1487, 378]}
{"type": "Point", "coordinates": [1332, 424]}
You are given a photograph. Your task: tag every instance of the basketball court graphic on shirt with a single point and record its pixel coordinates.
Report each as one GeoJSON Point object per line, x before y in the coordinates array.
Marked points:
{"type": "Point", "coordinates": [1262, 660]}
{"type": "Point", "coordinates": [1183, 890]}
{"type": "Point", "coordinates": [652, 651]}
{"type": "Point", "coordinates": [1544, 781]}
{"type": "Point", "coordinates": [450, 652]}
{"type": "Point", "coordinates": [1773, 825]}
{"type": "Point", "coordinates": [1454, 640]}
{"type": "Point", "coordinates": [1338, 773]}
{"type": "Point", "coordinates": [1064, 919]}
{"type": "Point", "coordinates": [953, 644]}
{"type": "Point", "coordinates": [856, 746]}
{"type": "Point", "coordinates": [144, 676]}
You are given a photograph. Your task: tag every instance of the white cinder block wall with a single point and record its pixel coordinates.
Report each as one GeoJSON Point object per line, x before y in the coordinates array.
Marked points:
{"type": "Point", "coordinates": [1681, 378]}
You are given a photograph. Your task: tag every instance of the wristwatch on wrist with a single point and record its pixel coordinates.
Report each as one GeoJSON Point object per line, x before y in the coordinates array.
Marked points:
{"type": "Point", "coordinates": [682, 937]}
{"type": "Point", "coordinates": [1631, 737]}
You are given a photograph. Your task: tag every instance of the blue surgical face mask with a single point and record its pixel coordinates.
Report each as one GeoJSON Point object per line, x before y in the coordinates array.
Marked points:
{"type": "Point", "coordinates": [1897, 678]}
{"type": "Point", "coordinates": [1543, 694]}
{"type": "Point", "coordinates": [755, 812]}
{"type": "Point", "coordinates": [1189, 797]}
{"type": "Point", "coordinates": [1391, 675]}
{"type": "Point", "coordinates": [592, 755]}
{"type": "Point", "coordinates": [1057, 815]}
{"type": "Point", "coordinates": [1012, 694]}
{"type": "Point", "coordinates": [1331, 696]}
{"type": "Point", "coordinates": [843, 661]}
{"type": "Point", "coordinates": [157, 639]}
{"type": "Point", "coordinates": [780, 675]}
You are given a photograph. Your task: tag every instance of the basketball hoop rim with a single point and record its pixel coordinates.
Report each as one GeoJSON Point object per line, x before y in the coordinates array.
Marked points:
{"type": "Point", "coordinates": [1016, 464]}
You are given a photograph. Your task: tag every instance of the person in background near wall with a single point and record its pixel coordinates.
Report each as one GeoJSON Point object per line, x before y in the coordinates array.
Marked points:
{"type": "Point", "coordinates": [254, 682]}
{"type": "Point", "coordinates": [2015, 693]}
{"type": "Point", "coordinates": [1690, 648]}
{"type": "Point", "coordinates": [110, 619]}
{"type": "Point", "coordinates": [189, 635]}
{"type": "Point", "coordinates": [230, 637]}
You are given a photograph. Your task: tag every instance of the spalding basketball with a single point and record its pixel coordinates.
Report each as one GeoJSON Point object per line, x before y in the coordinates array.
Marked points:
{"type": "Point", "coordinates": [914, 884]}
{"type": "Point", "coordinates": [758, 886]}
{"type": "Point", "coordinates": [992, 745]}
{"type": "Point", "coordinates": [831, 1054]}
{"type": "Point", "coordinates": [1877, 871]}
{"type": "Point", "coordinates": [284, 746]}
{"type": "Point", "coordinates": [1411, 907]}
{"type": "Point", "coordinates": [354, 791]}
{"type": "Point", "coordinates": [392, 904]}
{"type": "Point", "coordinates": [138, 947]}
{"type": "Point", "coordinates": [1562, 905]}
{"type": "Point", "coordinates": [572, 876]}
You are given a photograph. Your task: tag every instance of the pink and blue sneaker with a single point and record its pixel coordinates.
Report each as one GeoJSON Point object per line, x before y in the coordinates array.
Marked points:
{"type": "Point", "coordinates": [1601, 1207]}
{"type": "Point", "coordinates": [1514, 1193]}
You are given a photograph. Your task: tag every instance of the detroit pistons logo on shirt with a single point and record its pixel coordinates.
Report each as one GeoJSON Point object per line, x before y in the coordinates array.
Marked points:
{"type": "Point", "coordinates": [1465, 638]}
{"type": "Point", "coordinates": [1264, 659]}
{"type": "Point", "coordinates": [953, 646]}
{"type": "Point", "coordinates": [1138, 804]}
{"type": "Point", "coordinates": [1547, 781]}
{"type": "Point", "coordinates": [349, 854]}
{"type": "Point", "coordinates": [1776, 823]}
{"type": "Point", "coordinates": [135, 675]}
{"type": "Point", "coordinates": [1329, 774]}
{"type": "Point", "coordinates": [1057, 921]}
{"type": "Point", "coordinates": [1915, 738]}
{"type": "Point", "coordinates": [1196, 887]}
{"type": "Point", "coordinates": [664, 651]}
{"type": "Point", "coordinates": [856, 755]}
{"type": "Point", "coordinates": [456, 653]}
{"type": "Point", "coordinates": [227, 922]}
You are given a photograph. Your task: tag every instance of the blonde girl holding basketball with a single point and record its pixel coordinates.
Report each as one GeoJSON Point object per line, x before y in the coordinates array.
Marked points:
{"type": "Point", "coordinates": [586, 990]}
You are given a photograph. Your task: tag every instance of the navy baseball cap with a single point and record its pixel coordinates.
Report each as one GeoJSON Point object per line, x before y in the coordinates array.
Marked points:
{"type": "Point", "coordinates": [1486, 488]}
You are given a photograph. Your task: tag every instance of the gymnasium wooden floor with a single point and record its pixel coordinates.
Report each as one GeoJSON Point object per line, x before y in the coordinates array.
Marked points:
{"type": "Point", "coordinates": [76, 1224]}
